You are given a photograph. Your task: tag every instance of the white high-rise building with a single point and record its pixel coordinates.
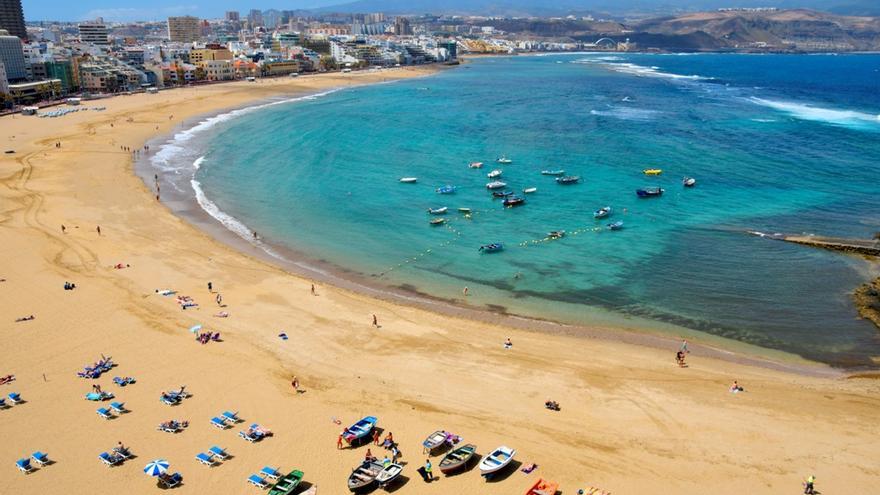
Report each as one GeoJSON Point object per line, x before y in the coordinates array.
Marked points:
{"type": "Point", "coordinates": [94, 32]}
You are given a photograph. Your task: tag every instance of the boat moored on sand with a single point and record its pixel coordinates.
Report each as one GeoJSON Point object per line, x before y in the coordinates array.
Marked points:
{"type": "Point", "coordinates": [496, 461]}
{"type": "Point", "coordinates": [364, 475]}
{"type": "Point", "coordinates": [389, 474]}
{"type": "Point", "coordinates": [457, 459]}
{"type": "Point", "coordinates": [360, 430]}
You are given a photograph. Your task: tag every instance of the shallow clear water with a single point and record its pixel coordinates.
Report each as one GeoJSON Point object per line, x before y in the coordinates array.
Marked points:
{"type": "Point", "coordinates": [777, 144]}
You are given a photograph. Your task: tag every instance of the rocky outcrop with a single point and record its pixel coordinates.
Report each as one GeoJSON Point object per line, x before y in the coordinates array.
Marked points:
{"type": "Point", "coordinates": [867, 298]}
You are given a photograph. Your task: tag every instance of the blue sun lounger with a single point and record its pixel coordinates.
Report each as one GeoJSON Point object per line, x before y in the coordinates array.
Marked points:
{"type": "Point", "coordinates": [219, 423]}
{"type": "Point", "coordinates": [24, 465]}
{"type": "Point", "coordinates": [171, 481]}
{"type": "Point", "coordinates": [250, 437]}
{"type": "Point", "coordinates": [15, 397]}
{"type": "Point", "coordinates": [118, 407]}
{"type": "Point", "coordinates": [104, 413]}
{"type": "Point", "coordinates": [205, 459]}
{"type": "Point", "coordinates": [230, 416]}
{"type": "Point", "coordinates": [40, 458]}
{"type": "Point", "coordinates": [218, 452]}
{"type": "Point", "coordinates": [270, 472]}
{"type": "Point", "coordinates": [109, 459]}
{"type": "Point", "coordinates": [257, 481]}
{"type": "Point", "coordinates": [3, 404]}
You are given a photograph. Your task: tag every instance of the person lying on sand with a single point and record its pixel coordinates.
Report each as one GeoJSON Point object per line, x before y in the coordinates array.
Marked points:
{"type": "Point", "coordinates": [6, 379]}
{"type": "Point", "coordinates": [222, 314]}
{"type": "Point", "coordinates": [120, 266]}
{"type": "Point", "coordinates": [25, 318]}
{"type": "Point", "coordinates": [551, 404]}
{"type": "Point", "coordinates": [165, 292]}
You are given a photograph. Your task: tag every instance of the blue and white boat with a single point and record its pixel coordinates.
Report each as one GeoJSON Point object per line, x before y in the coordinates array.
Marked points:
{"type": "Point", "coordinates": [492, 248]}
{"type": "Point", "coordinates": [438, 211]}
{"type": "Point", "coordinates": [568, 180]}
{"type": "Point", "coordinates": [496, 184]}
{"type": "Point", "coordinates": [689, 182]}
{"type": "Point", "coordinates": [446, 190]}
{"type": "Point", "coordinates": [504, 160]}
{"type": "Point", "coordinates": [552, 172]}
{"type": "Point", "coordinates": [649, 192]}
{"type": "Point", "coordinates": [602, 212]}
{"type": "Point", "coordinates": [359, 430]}
{"type": "Point", "coordinates": [615, 225]}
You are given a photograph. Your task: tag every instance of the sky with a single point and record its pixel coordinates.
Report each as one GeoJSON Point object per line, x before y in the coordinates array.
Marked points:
{"type": "Point", "coordinates": [129, 10]}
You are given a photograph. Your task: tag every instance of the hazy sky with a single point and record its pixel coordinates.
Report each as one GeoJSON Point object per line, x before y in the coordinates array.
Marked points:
{"type": "Point", "coordinates": [129, 10]}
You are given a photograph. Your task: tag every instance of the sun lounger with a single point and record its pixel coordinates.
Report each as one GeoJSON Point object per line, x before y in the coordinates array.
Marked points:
{"type": "Point", "coordinates": [219, 453]}
{"type": "Point", "coordinates": [24, 465]}
{"type": "Point", "coordinates": [171, 400]}
{"type": "Point", "coordinates": [230, 416]}
{"type": "Point", "coordinates": [104, 413]}
{"type": "Point", "coordinates": [40, 458]}
{"type": "Point", "coordinates": [3, 404]}
{"type": "Point", "coordinates": [257, 481]}
{"type": "Point", "coordinates": [15, 397]}
{"type": "Point", "coordinates": [219, 423]}
{"type": "Point", "coordinates": [248, 437]}
{"type": "Point", "coordinates": [122, 453]}
{"type": "Point", "coordinates": [171, 481]}
{"type": "Point", "coordinates": [119, 407]}
{"type": "Point", "coordinates": [207, 460]}
{"type": "Point", "coordinates": [270, 472]}
{"type": "Point", "coordinates": [109, 459]}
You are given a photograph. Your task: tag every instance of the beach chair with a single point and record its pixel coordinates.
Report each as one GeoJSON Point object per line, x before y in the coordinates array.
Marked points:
{"type": "Point", "coordinates": [249, 438]}
{"type": "Point", "coordinates": [270, 472]}
{"type": "Point", "coordinates": [257, 481]}
{"type": "Point", "coordinates": [230, 416]}
{"type": "Point", "coordinates": [171, 400]}
{"type": "Point", "coordinates": [118, 407]}
{"type": "Point", "coordinates": [207, 460]}
{"type": "Point", "coordinates": [171, 481]}
{"type": "Point", "coordinates": [24, 465]}
{"type": "Point", "coordinates": [15, 397]}
{"type": "Point", "coordinates": [219, 453]}
{"type": "Point", "coordinates": [168, 428]}
{"type": "Point", "coordinates": [3, 404]}
{"type": "Point", "coordinates": [109, 459]}
{"type": "Point", "coordinates": [104, 413]}
{"type": "Point", "coordinates": [123, 454]}
{"type": "Point", "coordinates": [40, 458]}
{"type": "Point", "coordinates": [219, 423]}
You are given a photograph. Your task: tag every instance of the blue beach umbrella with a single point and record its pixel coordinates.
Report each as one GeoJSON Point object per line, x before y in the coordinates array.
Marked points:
{"type": "Point", "coordinates": [195, 329]}
{"type": "Point", "coordinates": [157, 467]}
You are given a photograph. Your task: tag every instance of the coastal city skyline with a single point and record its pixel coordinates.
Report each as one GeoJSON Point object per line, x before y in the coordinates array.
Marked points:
{"type": "Point", "coordinates": [476, 247]}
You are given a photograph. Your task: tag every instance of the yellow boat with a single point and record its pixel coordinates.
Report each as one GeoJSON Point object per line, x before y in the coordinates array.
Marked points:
{"type": "Point", "coordinates": [652, 171]}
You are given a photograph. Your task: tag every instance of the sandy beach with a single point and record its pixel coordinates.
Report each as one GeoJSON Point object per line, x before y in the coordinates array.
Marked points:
{"type": "Point", "coordinates": [631, 421]}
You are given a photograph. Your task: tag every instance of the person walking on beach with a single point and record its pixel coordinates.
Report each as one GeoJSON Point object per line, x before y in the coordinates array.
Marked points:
{"type": "Point", "coordinates": [295, 384]}
{"type": "Point", "coordinates": [465, 291]}
{"type": "Point", "coordinates": [339, 444]}
{"type": "Point", "coordinates": [210, 287]}
{"type": "Point", "coordinates": [429, 469]}
{"type": "Point", "coordinates": [375, 437]}
{"type": "Point", "coordinates": [99, 230]}
{"type": "Point", "coordinates": [219, 300]}
{"type": "Point", "coordinates": [63, 229]}
{"type": "Point", "coordinates": [395, 454]}
{"type": "Point", "coordinates": [684, 347]}
{"type": "Point", "coordinates": [809, 488]}
{"type": "Point", "coordinates": [375, 321]}
{"type": "Point", "coordinates": [313, 290]}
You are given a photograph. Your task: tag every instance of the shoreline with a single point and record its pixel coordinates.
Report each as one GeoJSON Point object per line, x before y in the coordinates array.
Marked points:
{"type": "Point", "coordinates": [187, 206]}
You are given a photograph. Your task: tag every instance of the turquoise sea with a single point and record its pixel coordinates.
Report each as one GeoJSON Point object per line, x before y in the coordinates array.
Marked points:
{"type": "Point", "coordinates": [777, 143]}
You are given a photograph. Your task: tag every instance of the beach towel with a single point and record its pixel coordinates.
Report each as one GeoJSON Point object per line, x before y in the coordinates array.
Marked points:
{"type": "Point", "coordinates": [528, 468]}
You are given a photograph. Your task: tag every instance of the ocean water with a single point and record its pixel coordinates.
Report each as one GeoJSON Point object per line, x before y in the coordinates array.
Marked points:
{"type": "Point", "coordinates": [785, 144]}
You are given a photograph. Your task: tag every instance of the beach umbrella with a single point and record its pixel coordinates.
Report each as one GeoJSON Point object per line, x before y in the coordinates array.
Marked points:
{"type": "Point", "coordinates": [157, 467]}
{"type": "Point", "coordinates": [195, 329]}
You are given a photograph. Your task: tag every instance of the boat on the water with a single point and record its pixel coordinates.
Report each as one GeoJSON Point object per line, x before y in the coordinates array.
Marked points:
{"type": "Point", "coordinates": [652, 171]}
{"type": "Point", "coordinates": [543, 487]}
{"type": "Point", "coordinates": [649, 192]}
{"type": "Point", "coordinates": [501, 194]}
{"type": "Point", "coordinates": [496, 461]}
{"type": "Point", "coordinates": [615, 225]}
{"type": "Point", "coordinates": [361, 429]}
{"type": "Point", "coordinates": [512, 201]}
{"type": "Point", "coordinates": [689, 182]}
{"type": "Point", "coordinates": [364, 475]}
{"type": "Point", "coordinates": [529, 190]}
{"type": "Point", "coordinates": [437, 221]}
{"type": "Point", "coordinates": [504, 160]}
{"type": "Point", "coordinates": [457, 459]}
{"type": "Point", "coordinates": [287, 484]}
{"type": "Point", "coordinates": [438, 211]}
{"type": "Point", "coordinates": [408, 180]}
{"type": "Point", "coordinates": [491, 248]}
{"type": "Point", "coordinates": [496, 184]}
{"type": "Point", "coordinates": [556, 234]}
{"type": "Point", "coordinates": [552, 172]}
{"type": "Point", "coordinates": [446, 190]}
{"type": "Point", "coordinates": [475, 165]}
{"type": "Point", "coordinates": [602, 212]}
{"type": "Point", "coordinates": [434, 441]}
{"type": "Point", "coordinates": [389, 474]}
{"type": "Point", "coordinates": [493, 174]}
{"type": "Point", "coordinates": [464, 210]}
{"type": "Point", "coordinates": [568, 179]}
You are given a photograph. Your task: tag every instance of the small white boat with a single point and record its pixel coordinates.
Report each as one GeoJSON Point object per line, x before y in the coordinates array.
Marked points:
{"type": "Point", "coordinates": [530, 190]}
{"type": "Point", "coordinates": [475, 165]}
{"type": "Point", "coordinates": [438, 211]}
{"type": "Point", "coordinates": [689, 182]}
{"type": "Point", "coordinates": [464, 210]}
{"type": "Point", "coordinates": [408, 180]}
{"type": "Point", "coordinates": [505, 161]}
{"type": "Point", "coordinates": [388, 474]}
{"type": "Point", "coordinates": [497, 184]}
{"type": "Point", "coordinates": [493, 174]}
{"type": "Point", "coordinates": [496, 461]}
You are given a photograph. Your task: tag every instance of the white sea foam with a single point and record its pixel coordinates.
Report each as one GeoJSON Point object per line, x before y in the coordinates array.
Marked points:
{"type": "Point", "coordinates": [627, 113]}
{"type": "Point", "coordinates": [844, 118]}
{"type": "Point", "coordinates": [171, 158]}
{"type": "Point", "coordinates": [638, 70]}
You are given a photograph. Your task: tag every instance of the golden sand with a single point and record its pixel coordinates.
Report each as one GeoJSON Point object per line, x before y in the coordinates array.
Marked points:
{"type": "Point", "coordinates": [631, 421]}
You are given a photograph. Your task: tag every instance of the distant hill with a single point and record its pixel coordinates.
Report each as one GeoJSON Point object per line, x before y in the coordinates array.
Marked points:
{"type": "Point", "coordinates": [615, 7]}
